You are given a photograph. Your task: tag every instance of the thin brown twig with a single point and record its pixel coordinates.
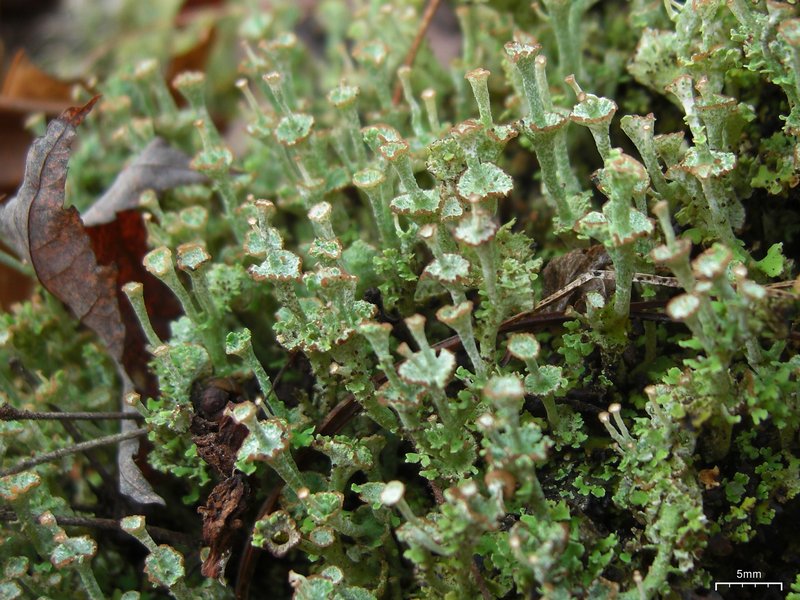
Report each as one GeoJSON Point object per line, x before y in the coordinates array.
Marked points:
{"type": "Point", "coordinates": [427, 18]}
{"type": "Point", "coordinates": [159, 534]}
{"type": "Point", "coordinates": [109, 482]}
{"type": "Point", "coordinates": [479, 581]}
{"type": "Point", "coordinates": [9, 413]}
{"type": "Point", "coordinates": [82, 447]}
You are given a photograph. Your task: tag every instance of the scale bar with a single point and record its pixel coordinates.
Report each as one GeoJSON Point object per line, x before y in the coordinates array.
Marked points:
{"type": "Point", "coordinates": [744, 583]}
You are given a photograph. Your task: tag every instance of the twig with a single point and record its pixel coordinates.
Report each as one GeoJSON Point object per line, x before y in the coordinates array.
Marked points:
{"type": "Point", "coordinates": [83, 446]}
{"type": "Point", "coordinates": [9, 413]}
{"type": "Point", "coordinates": [7, 515]}
{"type": "Point", "coordinates": [109, 482]}
{"type": "Point", "coordinates": [479, 581]}
{"type": "Point", "coordinates": [427, 17]}
{"type": "Point", "coordinates": [159, 533]}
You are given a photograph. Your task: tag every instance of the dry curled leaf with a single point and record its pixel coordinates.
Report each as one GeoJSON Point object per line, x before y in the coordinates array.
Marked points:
{"type": "Point", "coordinates": [566, 268]}
{"type": "Point", "coordinates": [25, 89]}
{"type": "Point", "coordinates": [122, 243]}
{"type": "Point", "coordinates": [25, 81]}
{"type": "Point", "coordinates": [119, 238]}
{"type": "Point", "coordinates": [52, 238]}
{"type": "Point", "coordinates": [85, 267]}
{"type": "Point", "coordinates": [222, 518]}
{"type": "Point", "coordinates": [217, 436]}
{"type": "Point", "coordinates": [159, 167]}
{"type": "Point", "coordinates": [218, 439]}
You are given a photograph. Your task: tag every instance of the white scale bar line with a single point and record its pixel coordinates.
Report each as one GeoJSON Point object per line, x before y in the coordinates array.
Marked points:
{"type": "Point", "coordinates": [744, 583]}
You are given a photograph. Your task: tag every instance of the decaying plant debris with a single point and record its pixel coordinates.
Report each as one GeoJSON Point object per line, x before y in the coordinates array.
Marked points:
{"type": "Point", "coordinates": [521, 325]}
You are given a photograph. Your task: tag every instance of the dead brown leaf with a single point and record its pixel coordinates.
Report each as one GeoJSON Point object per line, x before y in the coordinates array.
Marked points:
{"type": "Point", "coordinates": [218, 442]}
{"type": "Point", "coordinates": [52, 239]}
{"type": "Point", "coordinates": [85, 267]}
{"type": "Point", "coordinates": [25, 89]}
{"type": "Point", "coordinates": [566, 268]}
{"type": "Point", "coordinates": [221, 520]}
{"type": "Point", "coordinates": [193, 58]}
{"type": "Point", "coordinates": [159, 167]}
{"type": "Point", "coordinates": [38, 227]}
{"type": "Point", "coordinates": [119, 239]}
{"type": "Point", "coordinates": [25, 80]}
{"type": "Point", "coordinates": [218, 439]}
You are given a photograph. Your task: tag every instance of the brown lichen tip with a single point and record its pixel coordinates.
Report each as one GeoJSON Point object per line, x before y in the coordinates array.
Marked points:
{"type": "Point", "coordinates": [320, 212]}
{"type": "Point", "coordinates": [452, 315]}
{"type": "Point", "coordinates": [330, 250]}
{"type": "Point", "coordinates": [485, 421]}
{"type": "Point", "coordinates": [13, 487]}
{"type": "Point", "coordinates": [664, 255]}
{"type": "Point", "coordinates": [266, 208]}
{"type": "Point", "coordinates": [158, 262]}
{"type": "Point", "coordinates": [502, 479]}
{"type": "Point", "coordinates": [192, 256]}
{"type": "Point", "coordinates": [466, 130]}
{"type": "Point", "coordinates": [479, 74]}
{"type": "Point", "coordinates": [553, 121]}
{"type": "Point", "coordinates": [520, 51]}
{"type": "Point", "coordinates": [325, 277]}
{"type": "Point", "coordinates": [683, 307]}
{"type": "Point", "coordinates": [279, 266]}
{"type": "Point", "coordinates": [368, 179]}
{"type": "Point", "coordinates": [416, 322]}
{"type": "Point", "coordinates": [713, 263]}
{"type": "Point", "coordinates": [380, 133]}
{"type": "Point", "coordinates": [394, 150]}
{"type": "Point", "coordinates": [393, 493]}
